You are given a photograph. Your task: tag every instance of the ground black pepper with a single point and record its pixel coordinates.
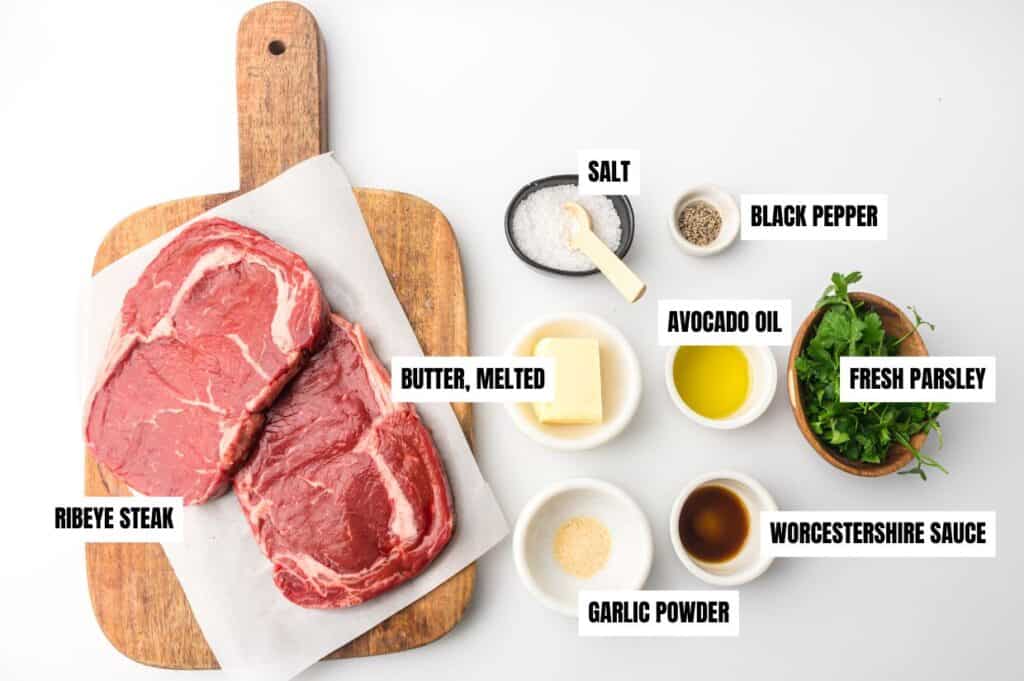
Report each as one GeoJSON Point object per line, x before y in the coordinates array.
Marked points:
{"type": "Point", "coordinates": [699, 223]}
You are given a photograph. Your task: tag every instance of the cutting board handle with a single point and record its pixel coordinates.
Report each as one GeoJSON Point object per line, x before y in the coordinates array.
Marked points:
{"type": "Point", "coordinates": [282, 91]}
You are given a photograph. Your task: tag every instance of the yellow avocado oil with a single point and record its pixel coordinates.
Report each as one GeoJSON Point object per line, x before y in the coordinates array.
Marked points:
{"type": "Point", "coordinates": [713, 380]}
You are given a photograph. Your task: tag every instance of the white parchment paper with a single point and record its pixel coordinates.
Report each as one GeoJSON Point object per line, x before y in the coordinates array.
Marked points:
{"type": "Point", "coordinates": [255, 632]}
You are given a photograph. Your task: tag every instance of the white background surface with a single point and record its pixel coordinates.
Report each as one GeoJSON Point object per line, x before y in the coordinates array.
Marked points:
{"type": "Point", "coordinates": [107, 108]}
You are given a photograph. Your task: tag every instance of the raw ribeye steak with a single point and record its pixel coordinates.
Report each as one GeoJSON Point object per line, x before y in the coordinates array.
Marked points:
{"type": "Point", "coordinates": [344, 490]}
{"type": "Point", "coordinates": [215, 327]}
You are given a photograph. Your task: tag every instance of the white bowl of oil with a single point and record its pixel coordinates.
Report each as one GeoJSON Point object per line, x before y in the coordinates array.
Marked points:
{"type": "Point", "coordinates": [721, 386]}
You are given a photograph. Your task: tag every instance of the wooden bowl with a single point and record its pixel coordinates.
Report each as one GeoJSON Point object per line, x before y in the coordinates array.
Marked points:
{"type": "Point", "coordinates": [895, 324]}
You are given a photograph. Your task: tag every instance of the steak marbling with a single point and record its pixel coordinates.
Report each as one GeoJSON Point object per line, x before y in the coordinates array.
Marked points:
{"type": "Point", "coordinates": [214, 328]}
{"type": "Point", "coordinates": [344, 491]}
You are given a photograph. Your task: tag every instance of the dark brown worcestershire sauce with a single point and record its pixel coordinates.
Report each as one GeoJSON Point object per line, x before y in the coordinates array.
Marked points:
{"type": "Point", "coordinates": [713, 524]}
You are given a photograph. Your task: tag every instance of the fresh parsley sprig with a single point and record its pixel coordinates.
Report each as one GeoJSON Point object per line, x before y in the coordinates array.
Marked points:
{"type": "Point", "coordinates": [859, 431]}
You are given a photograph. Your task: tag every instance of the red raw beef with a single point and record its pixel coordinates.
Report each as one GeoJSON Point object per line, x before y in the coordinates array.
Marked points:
{"type": "Point", "coordinates": [215, 327]}
{"type": "Point", "coordinates": [344, 491]}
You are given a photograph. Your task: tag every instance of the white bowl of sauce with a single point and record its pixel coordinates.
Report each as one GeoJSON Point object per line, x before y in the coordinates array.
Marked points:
{"type": "Point", "coordinates": [715, 527]}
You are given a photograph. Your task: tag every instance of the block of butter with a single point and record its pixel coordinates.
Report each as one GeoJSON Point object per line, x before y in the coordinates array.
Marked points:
{"type": "Point", "coordinates": [577, 381]}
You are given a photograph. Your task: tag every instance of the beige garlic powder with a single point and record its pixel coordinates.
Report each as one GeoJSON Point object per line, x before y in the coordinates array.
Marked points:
{"type": "Point", "coordinates": [582, 546]}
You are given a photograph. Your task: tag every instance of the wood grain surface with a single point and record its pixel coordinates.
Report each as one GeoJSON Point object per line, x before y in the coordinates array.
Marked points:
{"type": "Point", "coordinates": [138, 602]}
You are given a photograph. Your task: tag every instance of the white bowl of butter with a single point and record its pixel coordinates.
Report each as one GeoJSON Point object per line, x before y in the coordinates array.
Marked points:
{"type": "Point", "coordinates": [578, 534]}
{"type": "Point", "coordinates": [620, 382]}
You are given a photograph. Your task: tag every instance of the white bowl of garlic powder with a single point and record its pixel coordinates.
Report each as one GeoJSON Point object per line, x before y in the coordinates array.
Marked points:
{"type": "Point", "coordinates": [578, 534]}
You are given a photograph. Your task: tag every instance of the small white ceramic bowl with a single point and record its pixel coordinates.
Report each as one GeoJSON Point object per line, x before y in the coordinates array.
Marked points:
{"type": "Point", "coordinates": [727, 208]}
{"type": "Point", "coordinates": [750, 563]}
{"type": "Point", "coordinates": [621, 382]}
{"type": "Point", "coordinates": [763, 381]}
{"type": "Point", "coordinates": [533, 541]}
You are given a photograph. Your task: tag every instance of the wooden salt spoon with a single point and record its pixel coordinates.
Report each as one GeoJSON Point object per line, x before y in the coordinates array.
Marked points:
{"type": "Point", "coordinates": [581, 237]}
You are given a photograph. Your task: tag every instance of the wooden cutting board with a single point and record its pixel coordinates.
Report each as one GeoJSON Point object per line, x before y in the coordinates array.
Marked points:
{"type": "Point", "coordinates": [282, 120]}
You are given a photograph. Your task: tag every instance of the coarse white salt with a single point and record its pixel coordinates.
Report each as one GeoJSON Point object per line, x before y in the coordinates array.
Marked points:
{"type": "Point", "coordinates": [537, 226]}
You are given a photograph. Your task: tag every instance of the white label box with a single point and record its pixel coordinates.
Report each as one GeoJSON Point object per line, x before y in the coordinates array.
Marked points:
{"type": "Point", "coordinates": [878, 534]}
{"type": "Point", "coordinates": [659, 613]}
{"type": "Point", "coordinates": [917, 379]}
{"type": "Point", "coordinates": [120, 519]}
{"type": "Point", "coordinates": [725, 322]}
{"type": "Point", "coordinates": [814, 217]}
{"type": "Point", "coordinates": [607, 171]}
{"type": "Point", "coordinates": [472, 379]}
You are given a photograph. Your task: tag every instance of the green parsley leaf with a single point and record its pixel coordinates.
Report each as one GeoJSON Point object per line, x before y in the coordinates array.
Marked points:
{"type": "Point", "coordinates": [862, 431]}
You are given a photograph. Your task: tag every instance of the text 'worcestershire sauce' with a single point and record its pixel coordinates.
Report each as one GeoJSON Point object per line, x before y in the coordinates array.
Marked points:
{"type": "Point", "coordinates": [714, 524]}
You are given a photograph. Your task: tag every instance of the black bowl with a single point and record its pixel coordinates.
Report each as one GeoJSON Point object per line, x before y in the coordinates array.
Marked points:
{"type": "Point", "coordinates": [622, 206]}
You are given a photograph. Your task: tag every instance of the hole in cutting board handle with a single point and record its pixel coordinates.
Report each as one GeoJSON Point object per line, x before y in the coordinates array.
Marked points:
{"type": "Point", "coordinates": [276, 47]}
